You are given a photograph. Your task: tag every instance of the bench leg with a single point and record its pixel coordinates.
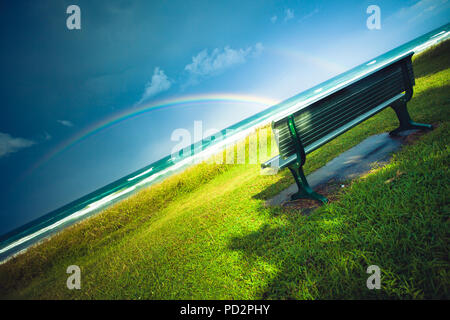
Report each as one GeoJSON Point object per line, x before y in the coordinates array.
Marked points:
{"type": "Point", "coordinates": [405, 120]}
{"type": "Point", "coordinates": [304, 190]}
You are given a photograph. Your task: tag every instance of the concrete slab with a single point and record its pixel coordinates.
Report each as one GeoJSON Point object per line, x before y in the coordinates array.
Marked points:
{"type": "Point", "coordinates": [377, 149]}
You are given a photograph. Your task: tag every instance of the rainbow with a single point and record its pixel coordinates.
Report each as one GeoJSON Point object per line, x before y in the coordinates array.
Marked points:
{"type": "Point", "coordinates": [138, 110]}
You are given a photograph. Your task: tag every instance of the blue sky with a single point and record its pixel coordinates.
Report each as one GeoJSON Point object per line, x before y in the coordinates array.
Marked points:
{"type": "Point", "coordinates": [56, 82]}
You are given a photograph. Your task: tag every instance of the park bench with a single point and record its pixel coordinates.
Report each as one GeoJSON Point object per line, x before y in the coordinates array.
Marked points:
{"type": "Point", "coordinates": [331, 114]}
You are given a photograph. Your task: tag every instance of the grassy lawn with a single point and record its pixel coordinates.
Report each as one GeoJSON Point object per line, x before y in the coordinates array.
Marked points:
{"type": "Point", "coordinates": [206, 234]}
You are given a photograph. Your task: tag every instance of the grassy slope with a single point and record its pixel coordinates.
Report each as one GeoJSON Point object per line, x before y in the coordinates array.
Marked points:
{"type": "Point", "coordinates": [206, 233]}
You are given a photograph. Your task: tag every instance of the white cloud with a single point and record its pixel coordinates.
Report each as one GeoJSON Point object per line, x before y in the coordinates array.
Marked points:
{"type": "Point", "coordinates": [159, 83]}
{"type": "Point", "coordinates": [289, 14]}
{"type": "Point", "coordinates": [66, 123]}
{"type": "Point", "coordinates": [274, 19]}
{"type": "Point", "coordinates": [205, 64]}
{"type": "Point", "coordinates": [421, 10]}
{"type": "Point", "coordinates": [9, 144]}
{"type": "Point", "coordinates": [309, 15]}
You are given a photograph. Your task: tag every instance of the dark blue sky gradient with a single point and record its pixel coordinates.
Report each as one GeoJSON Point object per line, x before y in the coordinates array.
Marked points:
{"type": "Point", "coordinates": [50, 73]}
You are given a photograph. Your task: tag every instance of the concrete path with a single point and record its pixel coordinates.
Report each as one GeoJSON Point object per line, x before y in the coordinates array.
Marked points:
{"type": "Point", "coordinates": [351, 164]}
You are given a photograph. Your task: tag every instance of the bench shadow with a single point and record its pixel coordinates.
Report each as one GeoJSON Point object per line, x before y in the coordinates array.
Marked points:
{"type": "Point", "coordinates": [293, 254]}
{"type": "Point", "coordinates": [276, 187]}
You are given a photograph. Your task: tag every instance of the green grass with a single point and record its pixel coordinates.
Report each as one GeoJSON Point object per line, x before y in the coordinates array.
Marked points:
{"type": "Point", "coordinates": [206, 234]}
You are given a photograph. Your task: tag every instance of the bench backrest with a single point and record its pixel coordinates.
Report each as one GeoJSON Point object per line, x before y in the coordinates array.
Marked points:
{"type": "Point", "coordinates": [323, 120]}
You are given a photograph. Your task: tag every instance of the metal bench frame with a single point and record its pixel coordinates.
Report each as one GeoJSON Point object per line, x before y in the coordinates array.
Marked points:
{"type": "Point", "coordinates": [296, 161]}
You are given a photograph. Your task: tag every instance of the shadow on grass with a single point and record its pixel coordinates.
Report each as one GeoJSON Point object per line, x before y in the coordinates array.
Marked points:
{"type": "Point", "coordinates": [310, 265]}
{"type": "Point", "coordinates": [277, 187]}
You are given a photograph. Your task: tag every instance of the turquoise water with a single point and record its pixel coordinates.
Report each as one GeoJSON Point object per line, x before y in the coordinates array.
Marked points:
{"type": "Point", "coordinates": [31, 233]}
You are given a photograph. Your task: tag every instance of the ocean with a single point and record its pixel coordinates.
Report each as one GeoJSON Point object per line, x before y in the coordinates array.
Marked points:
{"type": "Point", "coordinates": [31, 233]}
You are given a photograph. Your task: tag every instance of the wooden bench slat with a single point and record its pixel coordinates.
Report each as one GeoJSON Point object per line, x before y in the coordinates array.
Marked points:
{"type": "Point", "coordinates": [280, 163]}
{"type": "Point", "coordinates": [306, 130]}
{"type": "Point", "coordinates": [317, 120]}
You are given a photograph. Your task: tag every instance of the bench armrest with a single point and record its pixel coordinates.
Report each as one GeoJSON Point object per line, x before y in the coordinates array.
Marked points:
{"type": "Point", "coordinates": [278, 162]}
